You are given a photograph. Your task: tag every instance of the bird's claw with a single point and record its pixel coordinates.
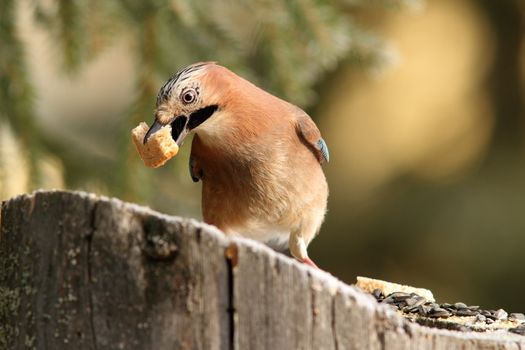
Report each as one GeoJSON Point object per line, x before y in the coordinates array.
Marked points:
{"type": "Point", "coordinates": [309, 262]}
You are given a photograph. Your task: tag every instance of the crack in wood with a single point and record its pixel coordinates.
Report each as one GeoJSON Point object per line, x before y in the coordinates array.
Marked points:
{"type": "Point", "coordinates": [89, 241]}
{"type": "Point", "coordinates": [334, 330]}
{"type": "Point", "coordinates": [230, 306]}
{"type": "Point", "coordinates": [312, 309]}
{"type": "Point", "coordinates": [381, 338]}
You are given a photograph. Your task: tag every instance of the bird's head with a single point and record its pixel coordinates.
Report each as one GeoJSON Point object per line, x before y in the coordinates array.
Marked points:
{"type": "Point", "coordinates": [187, 100]}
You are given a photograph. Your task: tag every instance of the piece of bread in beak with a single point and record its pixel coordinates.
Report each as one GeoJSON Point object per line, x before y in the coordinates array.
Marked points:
{"type": "Point", "coordinates": [160, 146]}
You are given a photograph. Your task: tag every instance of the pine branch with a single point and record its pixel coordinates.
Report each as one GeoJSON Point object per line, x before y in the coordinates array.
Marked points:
{"type": "Point", "coordinates": [146, 47]}
{"type": "Point", "coordinates": [16, 95]}
{"type": "Point", "coordinates": [284, 46]}
{"type": "Point", "coordinates": [70, 33]}
{"type": "Point", "coordinates": [389, 4]}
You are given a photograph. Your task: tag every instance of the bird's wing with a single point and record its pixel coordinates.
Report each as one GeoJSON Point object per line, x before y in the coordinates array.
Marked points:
{"type": "Point", "coordinates": [308, 132]}
{"type": "Point", "coordinates": [195, 170]}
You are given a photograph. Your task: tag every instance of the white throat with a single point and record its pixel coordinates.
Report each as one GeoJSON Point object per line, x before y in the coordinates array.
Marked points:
{"type": "Point", "coordinates": [215, 128]}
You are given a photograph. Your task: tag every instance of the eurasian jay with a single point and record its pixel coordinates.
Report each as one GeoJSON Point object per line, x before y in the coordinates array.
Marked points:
{"type": "Point", "coordinates": [259, 157]}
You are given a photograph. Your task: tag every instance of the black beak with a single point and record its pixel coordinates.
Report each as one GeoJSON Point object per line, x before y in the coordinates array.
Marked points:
{"type": "Point", "coordinates": [156, 126]}
{"type": "Point", "coordinates": [182, 125]}
{"type": "Point", "coordinates": [179, 129]}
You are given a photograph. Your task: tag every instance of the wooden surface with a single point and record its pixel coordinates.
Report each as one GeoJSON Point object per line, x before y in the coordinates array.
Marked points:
{"type": "Point", "coordinates": [84, 272]}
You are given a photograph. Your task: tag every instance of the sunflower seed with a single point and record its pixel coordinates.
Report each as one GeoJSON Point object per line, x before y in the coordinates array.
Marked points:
{"type": "Point", "coordinates": [423, 310]}
{"type": "Point", "coordinates": [465, 312]}
{"type": "Point", "coordinates": [460, 306]}
{"type": "Point", "coordinates": [415, 301]}
{"type": "Point", "coordinates": [399, 296]}
{"type": "Point", "coordinates": [517, 316]}
{"type": "Point", "coordinates": [410, 301]}
{"type": "Point", "coordinates": [518, 330]}
{"type": "Point", "coordinates": [378, 294]}
{"type": "Point", "coordinates": [439, 312]}
{"type": "Point", "coordinates": [486, 313]}
{"type": "Point", "coordinates": [388, 300]}
{"type": "Point", "coordinates": [420, 301]}
{"type": "Point", "coordinates": [501, 314]}
{"type": "Point", "coordinates": [410, 309]}
{"type": "Point", "coordinates": [480, 318]}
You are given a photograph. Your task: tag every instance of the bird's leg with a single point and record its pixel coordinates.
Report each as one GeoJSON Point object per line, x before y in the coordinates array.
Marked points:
{"type": "Point", "coordinates": [297, 247]}
{"type": "Point", "coordinates": [309, 261]}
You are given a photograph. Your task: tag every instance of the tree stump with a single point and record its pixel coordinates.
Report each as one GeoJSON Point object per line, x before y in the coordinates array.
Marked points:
{"type": "Point", "coordinates": [79, 271]}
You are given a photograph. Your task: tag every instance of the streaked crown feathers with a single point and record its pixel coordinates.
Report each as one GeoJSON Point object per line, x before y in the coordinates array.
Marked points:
{"type": "Point", "coordinates": [182, 75]}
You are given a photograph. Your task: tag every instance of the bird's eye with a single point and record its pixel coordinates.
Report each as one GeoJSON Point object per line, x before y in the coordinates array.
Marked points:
{"type": "Point", "coordinates": [188, 96]}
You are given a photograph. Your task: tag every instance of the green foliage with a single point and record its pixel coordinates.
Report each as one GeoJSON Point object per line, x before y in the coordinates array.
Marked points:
{"type": "Point", "coordinates": [15, 89]}
{"type": "Point", "coordinates": [283, 46]}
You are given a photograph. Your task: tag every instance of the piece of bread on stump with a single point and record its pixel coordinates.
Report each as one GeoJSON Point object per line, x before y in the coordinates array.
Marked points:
{"type": "Point", "coordinates": [159, 148]}
{"type": "Point", "coordinates": [369, 284]}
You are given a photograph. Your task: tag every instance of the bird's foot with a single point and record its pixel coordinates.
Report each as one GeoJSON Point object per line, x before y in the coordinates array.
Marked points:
{"type": "Point", "coordinates": [309, 262]}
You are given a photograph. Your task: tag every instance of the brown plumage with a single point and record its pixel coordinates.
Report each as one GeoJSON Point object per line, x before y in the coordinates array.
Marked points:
{"type": "Point", "coordinates": [259, 157]}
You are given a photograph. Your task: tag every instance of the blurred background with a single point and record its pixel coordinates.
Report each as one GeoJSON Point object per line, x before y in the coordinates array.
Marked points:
{"type": "Point", "coordinates": [422, 104]}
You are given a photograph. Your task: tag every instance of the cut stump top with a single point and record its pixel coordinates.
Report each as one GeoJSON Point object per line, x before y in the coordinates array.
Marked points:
{"type": "Point", "coordinates": [83, 271]}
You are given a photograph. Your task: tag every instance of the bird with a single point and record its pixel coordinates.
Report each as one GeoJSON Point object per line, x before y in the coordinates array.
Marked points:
{"type": "Point", "coordinates": [258, 156]}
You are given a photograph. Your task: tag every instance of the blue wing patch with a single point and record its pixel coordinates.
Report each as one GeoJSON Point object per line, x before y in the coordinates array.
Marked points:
{"type": "Point", "coordinates": [321, 145]}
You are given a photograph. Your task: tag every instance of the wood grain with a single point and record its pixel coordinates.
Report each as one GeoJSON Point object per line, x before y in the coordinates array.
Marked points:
{"type": "Point", "coordinates": [79, 271]}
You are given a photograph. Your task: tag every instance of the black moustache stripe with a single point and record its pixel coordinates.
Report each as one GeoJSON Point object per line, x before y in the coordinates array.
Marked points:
{"type": "Point", "coordinates": [200, 116]}
{"type": "Point", "coordinates": [177, 126]}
